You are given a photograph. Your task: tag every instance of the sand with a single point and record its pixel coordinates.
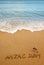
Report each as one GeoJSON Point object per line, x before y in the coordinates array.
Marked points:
{"type": "Point", "coordinates": [22, 48]}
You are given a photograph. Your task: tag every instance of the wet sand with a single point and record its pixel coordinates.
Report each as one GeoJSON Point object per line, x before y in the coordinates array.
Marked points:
{"type": "Point", "coordinates": [28, 47]}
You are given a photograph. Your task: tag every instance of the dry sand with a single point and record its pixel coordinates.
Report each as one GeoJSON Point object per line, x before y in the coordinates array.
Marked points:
{"type": "Point", "coordinates": [22, 43]}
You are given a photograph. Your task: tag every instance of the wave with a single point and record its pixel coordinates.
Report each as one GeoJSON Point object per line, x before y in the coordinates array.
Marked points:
{"type": "Point", "coordinates": [11, 26]}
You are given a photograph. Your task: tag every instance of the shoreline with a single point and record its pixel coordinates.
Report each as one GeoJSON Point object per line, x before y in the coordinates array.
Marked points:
{"type": "Point", "coordinates": [20, 30]}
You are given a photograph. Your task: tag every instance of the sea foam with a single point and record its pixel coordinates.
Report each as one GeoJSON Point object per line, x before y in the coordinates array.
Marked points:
{"type": "Point", "coordinates": [11, 26]}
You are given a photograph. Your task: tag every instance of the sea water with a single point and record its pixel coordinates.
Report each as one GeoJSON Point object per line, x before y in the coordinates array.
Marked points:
{"type": "Point", "coordinates": [21, 14]}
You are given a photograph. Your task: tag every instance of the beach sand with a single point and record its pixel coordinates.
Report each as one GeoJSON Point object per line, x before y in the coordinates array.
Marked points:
{"type": "Point", "coordinates": [28, 47]}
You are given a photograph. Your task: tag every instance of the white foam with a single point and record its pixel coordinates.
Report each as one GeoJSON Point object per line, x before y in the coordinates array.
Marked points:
{"type": "Point", "coordinates": [11, 26]}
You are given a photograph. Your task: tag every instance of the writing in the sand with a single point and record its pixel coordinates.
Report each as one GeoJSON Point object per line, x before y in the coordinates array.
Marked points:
{"type": "Point", "coordinates": [35, 54]}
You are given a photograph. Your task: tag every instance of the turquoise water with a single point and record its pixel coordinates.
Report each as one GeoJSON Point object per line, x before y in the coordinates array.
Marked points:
{"type": "Point", "coordinates": [23, 14]}
{"type": "Point", "coordinates": [22, 9]}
